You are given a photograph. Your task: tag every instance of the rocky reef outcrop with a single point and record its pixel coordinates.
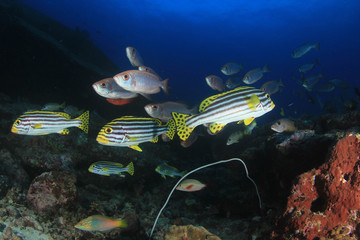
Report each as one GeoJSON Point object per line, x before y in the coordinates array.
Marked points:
{"type": "Point", "coordinates": [325, 202]}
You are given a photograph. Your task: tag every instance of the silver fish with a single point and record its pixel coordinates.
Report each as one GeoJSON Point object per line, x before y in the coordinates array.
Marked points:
{"type": "Point", "coordinates": [310, 81]}
{"type": "Point", "coordinates": [141, 82]}
{"type": "Point", "coordinates": [147, 69]}
{"type": "Point", "coordinates": [233, 82]}
{"type": "Point", "coordinates": [53, 106]}
{"type": "Point", "coordinates": [324, 87]}
{"type": "Point", "coordinates": [305, 48]}
{"type": "Point", "coordinates": [215, 82]}
{"type": "Point", "coordinates": [272, 87]}
{"type": "Point", "coordinates": [163, 111]}
{"type": "Point", "coordinates": [134, 57]}
{"type": "Point", "coordinates": [108, 88]}
{"type": "Point", "coordinates": [283, 124]}
{"type": "Point", "coordinates": [308, 67]}
{"type": "Point", "coordinates": [232, 68]}
{"type": "Point", "coordinates": [339, 83]}
{"type": "Point", "coordinates": [256, 74]}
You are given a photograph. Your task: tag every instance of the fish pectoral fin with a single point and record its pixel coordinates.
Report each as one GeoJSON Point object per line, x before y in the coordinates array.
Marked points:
{"type": "Point", "coordinates": [36, 126]}
{"type": "Point", "coordinates": [155, 139]}
{"type": "Point", "coordinates": [253, 101]}
{"type": "Point", "coordinates": [131, 138]}
{"type": "Point", "coordinates": [64, 131]}
{"type": "Point", "coordinates": [216, 127]}
{"type": "Point", "coordinates": [248, 120]}
{"type": "Point", "coordinates": [163, 176]}
{"type": "Point", "coordinates": [136, 147]}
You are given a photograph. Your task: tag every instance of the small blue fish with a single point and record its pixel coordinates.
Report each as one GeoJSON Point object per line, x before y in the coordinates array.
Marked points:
{"type": "Point", "coordinates": [305, 48]}
{"type": "Point", "coordinates": [166, 170]}
{"type": "Point", "coordinates": [308, 67]}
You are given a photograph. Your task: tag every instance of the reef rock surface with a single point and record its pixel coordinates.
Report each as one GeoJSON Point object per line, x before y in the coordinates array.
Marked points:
{"type": "Point", "coordinates": [325, 202]}
{"type": "Point", "coordinates": [52, 189]}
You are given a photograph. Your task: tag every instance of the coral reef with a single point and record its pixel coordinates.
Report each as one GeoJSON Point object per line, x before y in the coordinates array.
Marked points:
{"type": "Point", "coordinates": [326, 198]}
{"type": "Point", "coordinates": [52, 190]}
{"type": "Point", "coordinates": [189, 232]}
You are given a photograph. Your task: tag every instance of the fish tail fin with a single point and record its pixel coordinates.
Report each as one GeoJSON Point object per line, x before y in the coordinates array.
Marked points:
{"type": "Point", "coordinates": [317, 46]}
{"type": "Point", "coordinates": [130, 168]}
{"type": "Point", "coordinates": [183, 131]}
{"type": "Point", "coordinates": [84, 118]}
{"type": "Point", "coordinates": [164, 86]}
{"type": "Point", "coordinates": [172, 128]}
{"type": "Point", "coordinates": [241, 66]}
{"type": "Point", "coordinates": [266, 68]}
{"type": "Point", "coordinates": [121, 223]}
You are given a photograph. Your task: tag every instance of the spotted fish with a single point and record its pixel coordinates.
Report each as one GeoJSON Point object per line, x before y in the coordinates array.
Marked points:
{"type": "Point", "coordinates": [242, 103]}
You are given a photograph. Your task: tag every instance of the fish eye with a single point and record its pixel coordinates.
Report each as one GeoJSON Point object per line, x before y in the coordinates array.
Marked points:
{"type": "Point", "coordinates": [17, 122]}
{"type": "Point", "coordinates": [126, 77]}
{"type": "Point", "coordinates": [108, 130]}
{"type": "Point", "coordinates": [267, 96]}
{"type": "Point", "coordinates": [154, 106]}
{"type": "Point", "coordinates": [278, 122]}
{"type": "Point", "coordinates": [103, 85]}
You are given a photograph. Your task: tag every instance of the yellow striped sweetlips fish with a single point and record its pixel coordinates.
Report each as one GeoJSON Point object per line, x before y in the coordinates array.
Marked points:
{"type": "Point", "coordinates": [129, 131]}
{"type": "Point", "coordinates": [242, 103]}
{"type": "Point", "coordinates": [106, 168]}
{"type": "Point", "coordinates": [45, 122]}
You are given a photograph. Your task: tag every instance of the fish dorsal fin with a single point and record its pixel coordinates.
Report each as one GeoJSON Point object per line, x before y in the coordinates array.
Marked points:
{"type": "Point", "coordinates": [136, 147]}
{"type": "Point", "coordinates": [205, 103]}
{"type": "Point", "coordinates": [157, 121]}
{"type": "Point", "coordinates": [65, 115]}
{"type": "Point", "coordinates": [216, 127]}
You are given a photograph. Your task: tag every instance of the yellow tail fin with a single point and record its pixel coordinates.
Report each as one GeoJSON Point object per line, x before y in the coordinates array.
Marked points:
{"type": "Point", "coordinates": [122, 223]}
{"type": "Point", "coordinates": [183, 131]}
{"type": "Point", "coordinates": [130, 166]}
{"type": "Point", "coordinates": [172, 128]}
{"type": "Point", "coordinates": [84, 118]}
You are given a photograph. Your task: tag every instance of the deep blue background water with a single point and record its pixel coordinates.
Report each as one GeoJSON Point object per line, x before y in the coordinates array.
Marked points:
{"type": "Point", "coordinates": [188, 40]}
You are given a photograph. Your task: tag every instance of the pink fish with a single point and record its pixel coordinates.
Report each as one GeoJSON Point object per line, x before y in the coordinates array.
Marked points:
{"type": "Point", "coordinates": [190, 185]}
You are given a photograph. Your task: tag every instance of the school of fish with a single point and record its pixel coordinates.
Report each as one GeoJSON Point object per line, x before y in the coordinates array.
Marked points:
{"type": "Point", "coordinates": [234, 104]}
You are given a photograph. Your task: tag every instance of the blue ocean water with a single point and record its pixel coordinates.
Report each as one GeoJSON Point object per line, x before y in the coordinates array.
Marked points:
{"type": "Point", "coordinates": [188, 40]}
